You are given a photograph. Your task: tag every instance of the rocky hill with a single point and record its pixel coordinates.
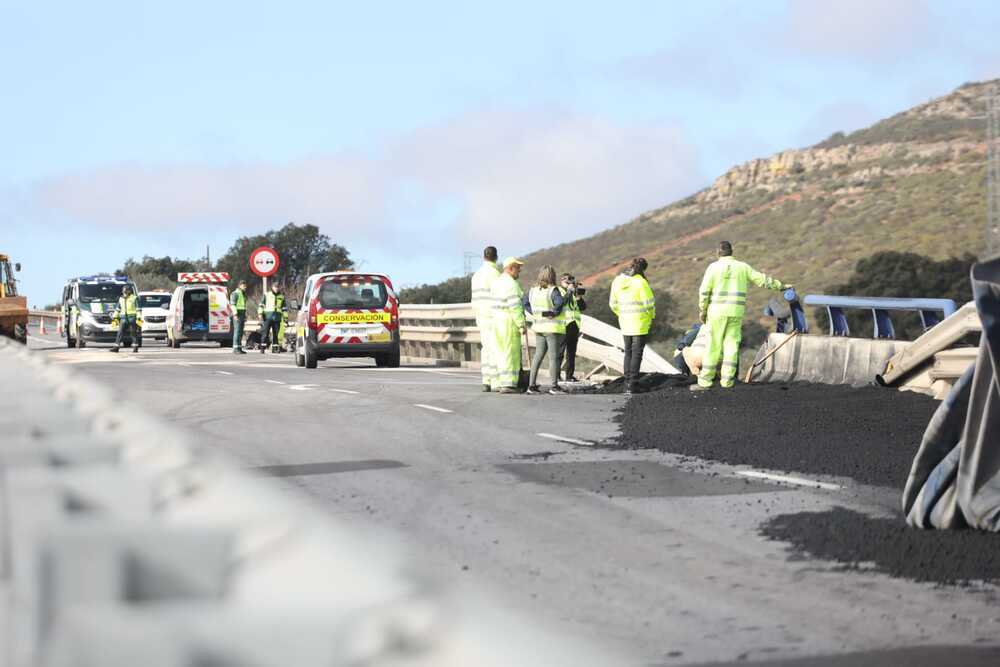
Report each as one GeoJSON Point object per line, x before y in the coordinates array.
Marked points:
{"type": "Point", "coordinates": [913, 182]}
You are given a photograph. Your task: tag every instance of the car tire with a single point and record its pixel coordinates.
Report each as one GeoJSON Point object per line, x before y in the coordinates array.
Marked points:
{"type": "Point", "coordinates": [311, 358]}
{"type": "Point", "coordinates": [388, 359]}
{"type": "Point", "coordinates": [21, 333]}
{"type": "Point", "coordinates": [300, 360]}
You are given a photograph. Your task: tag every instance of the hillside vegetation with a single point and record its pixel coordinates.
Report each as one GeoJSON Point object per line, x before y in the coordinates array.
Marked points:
{"type": "Point", "coordinates": [912, 183]}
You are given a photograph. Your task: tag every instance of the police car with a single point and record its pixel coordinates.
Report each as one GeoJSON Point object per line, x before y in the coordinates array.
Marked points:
{"type": "Point", "coordinates": [348, 314]}
{"type": "Point", "coordinates": [88, 302]}
{"type": "Point", "coordinates": [154, 306]}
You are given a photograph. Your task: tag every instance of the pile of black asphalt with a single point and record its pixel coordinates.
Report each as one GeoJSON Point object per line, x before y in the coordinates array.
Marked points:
{"type": "Point", "coordinates": [869, 434]}
{"type": "Point", "coordinates": [647, 382]}
{"type": "Point", "coordinates": [857, 541]}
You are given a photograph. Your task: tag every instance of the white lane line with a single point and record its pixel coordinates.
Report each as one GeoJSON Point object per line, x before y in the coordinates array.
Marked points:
{"type": "Point", "coordinates": [345, 391]}
{"type": "Point", "coordinates": [223, 372]}
{"type": "Point", "coordinates": [798, 481]}
{"type": "Point", "coordinates": [274, 381]}
{"type": "Point", "coordinates": [301, 387]}
{"type": "Point", "coordinates": [562, 438]}
{"type": "Point", "coordinates": [431, 407]}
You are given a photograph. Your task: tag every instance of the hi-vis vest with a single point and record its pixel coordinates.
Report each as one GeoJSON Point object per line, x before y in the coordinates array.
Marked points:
{"type": "Point", "coordinates": [724, 288]}
{"type": "Point", "coordinates": [239, 300]}
{"type": "Point", "coordinates": [571, 310]}
{"type": "Point", "coordinates": [128, 305]}
{"type": "Point", "coordinates": [272, 303]}
{"type": "Point", "coordinates": [482, 280]}
{"type": "Point", "coordinates": [541, 301]}
{"type": "Point", "coordinates": [506, 295]}
{"type": "Point", "coordinates": [633, 302]}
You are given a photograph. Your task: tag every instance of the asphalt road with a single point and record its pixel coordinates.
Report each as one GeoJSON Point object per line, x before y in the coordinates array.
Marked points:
{"type": "Point", "coordinates": [656, 554]}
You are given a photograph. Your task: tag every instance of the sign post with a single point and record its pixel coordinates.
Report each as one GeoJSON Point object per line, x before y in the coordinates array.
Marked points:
{"type": "Point", "coordinates": [264, 262]}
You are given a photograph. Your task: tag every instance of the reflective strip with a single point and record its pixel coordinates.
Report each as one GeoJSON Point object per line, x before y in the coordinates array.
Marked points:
{"type": "Point", "coordinates": [729, 293]}
{"type": "Point", "coordinates": [729, 302]}
{"type": "Point", "coordinates": [644, 302]}
{"type": "Point", "coordinates": [633, 311]}
{"type": "Point", "coordinates": [729, 364]}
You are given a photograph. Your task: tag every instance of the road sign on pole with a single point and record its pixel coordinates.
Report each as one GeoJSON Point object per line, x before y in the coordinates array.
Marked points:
{"type": "Point", "coordinates": [264, 261]}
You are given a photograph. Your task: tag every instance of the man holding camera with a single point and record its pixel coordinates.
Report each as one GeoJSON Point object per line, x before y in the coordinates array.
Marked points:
{"type": "Point", "coordinates": [573, 306]}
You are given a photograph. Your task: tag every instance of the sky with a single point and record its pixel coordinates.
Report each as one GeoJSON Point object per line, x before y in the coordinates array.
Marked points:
{"type": "Point", "coordinates": [413, 133]}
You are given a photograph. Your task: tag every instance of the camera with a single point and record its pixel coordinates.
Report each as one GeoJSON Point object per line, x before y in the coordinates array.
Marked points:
{"type": "Point", "coordinates": [573, 287]}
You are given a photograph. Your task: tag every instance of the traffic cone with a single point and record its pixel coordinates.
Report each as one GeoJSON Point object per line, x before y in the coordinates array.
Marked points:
{"type": "Point", "coordinates": [41, 326]}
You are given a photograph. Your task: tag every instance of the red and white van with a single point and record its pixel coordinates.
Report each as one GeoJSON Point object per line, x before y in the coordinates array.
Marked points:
{"type": "Point", "coordinates": [199, 309]}
{"type": "Point", "coordinates": [347, 314]}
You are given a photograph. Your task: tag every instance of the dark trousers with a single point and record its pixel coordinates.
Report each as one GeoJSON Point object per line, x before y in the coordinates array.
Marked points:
{"type": "Point", "coordinates": [634, 346]}
{"type": "Point", "coordinates": [130, 325]}
{"type": "Point", "coordinates": [269, 330]}
{"type": "Point", "coordinates": [239, 322]}
{"type": "Point", "coordinates": [567, 349]}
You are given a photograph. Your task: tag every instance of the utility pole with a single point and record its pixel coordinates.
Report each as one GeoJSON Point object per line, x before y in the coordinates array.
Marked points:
{"type": "Point", "coordinates": [993, 171]}
{"type": "Point", "coordinates": [468, 259]}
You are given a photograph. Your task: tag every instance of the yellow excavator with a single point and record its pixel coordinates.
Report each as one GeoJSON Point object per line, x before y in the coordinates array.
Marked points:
{"type": "Point", "coordinates": [13, 308]}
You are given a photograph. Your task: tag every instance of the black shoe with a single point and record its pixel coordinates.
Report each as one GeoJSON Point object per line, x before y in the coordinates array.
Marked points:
{"type": "Point", "coordinates": [134, 350]}
{"type": "Point", "coordinates": [487, 389]}
{"type": "Point", "coordinates": [572, 378]}
{"type": "Point", "coordinates": [556, 390]}
{"type": "Point", "coordinates": [114, 349]}
{"type": "Point", "coordinates": [534, 389]}
{"type": "Point", "coordinates": [262, 349]}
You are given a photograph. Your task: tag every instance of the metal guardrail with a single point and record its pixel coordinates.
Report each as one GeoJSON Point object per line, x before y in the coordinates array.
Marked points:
{"type": "Point", "coordinates": [448, 331]}
{"type": "Point", "coordinates": [120, 545]}
{"type": "Point", "coordinates": [791, 315]}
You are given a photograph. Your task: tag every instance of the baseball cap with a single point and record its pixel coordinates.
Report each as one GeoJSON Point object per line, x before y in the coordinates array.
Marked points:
{"type": "Point", "coordinates": [511, 260]}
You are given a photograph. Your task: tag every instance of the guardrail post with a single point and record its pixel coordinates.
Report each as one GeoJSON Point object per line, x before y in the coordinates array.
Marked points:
{"type": "Point", "coordinates": [838, 321]}
{"type": "Point", "coordinates": [883, 324]}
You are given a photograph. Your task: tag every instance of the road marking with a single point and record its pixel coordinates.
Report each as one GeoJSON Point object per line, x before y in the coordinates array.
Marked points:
{"type": "Point", "coordinates": [223, 372]}
{"type": "Point", "coordinates": [562, 438]}
{"type": "Point", "coordinates": [431, 407]}
{"type": "Point", "coordinates": [345, 391]}
{"type": "Point", "coordinates": [798, 481]}
{"type": "Point", "coordinates": [301, 387]}
{"type": "Point", "coordinates": [274, 381]}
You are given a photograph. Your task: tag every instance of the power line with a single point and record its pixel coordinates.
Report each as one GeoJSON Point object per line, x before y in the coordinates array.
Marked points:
{"type": "Point", "coordinates": [993, 171]}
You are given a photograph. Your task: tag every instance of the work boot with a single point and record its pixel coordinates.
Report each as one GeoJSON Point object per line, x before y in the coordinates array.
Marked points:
{"type": "Point", "coordinates": [556, 390]}
{"type": "Point", "coordinates": [262, 349]}
{"type": "Point", "coordinates": [698, 387]}
{"type": "Point", "coordinates": [114, 349]}
{"type": "Point", "coordinates": [134, 350]}
{"type": "Point", "coordinates": [572, 378]}
{"type": "Point", "coordinates": [487, 389]}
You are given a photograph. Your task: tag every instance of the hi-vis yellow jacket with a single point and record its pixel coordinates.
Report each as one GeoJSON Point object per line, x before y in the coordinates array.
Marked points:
{"type": "Point", "coordinates": [724, 288]}
{"type": "Point", "coordinates": [482, 303]}
{"type": "Point", "coordinates": [633, 302]}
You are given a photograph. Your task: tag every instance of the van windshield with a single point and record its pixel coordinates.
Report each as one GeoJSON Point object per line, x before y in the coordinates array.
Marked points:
{"type": "Point", "coordinates": [337, 295]}
{"type": "Point", "coordinates": [154, 300]}
{"type": "Point", "coordinates": [101, 292]}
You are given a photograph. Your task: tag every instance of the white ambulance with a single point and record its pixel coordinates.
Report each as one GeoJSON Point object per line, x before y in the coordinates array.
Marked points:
{"type": "Point", "coordinates": [199, 310]}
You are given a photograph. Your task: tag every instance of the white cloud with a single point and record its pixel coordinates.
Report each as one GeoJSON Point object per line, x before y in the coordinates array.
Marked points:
{"type": "Point", "coordinates": [856, 29]}
{"type": "Point", "coordinates": [513, 179]}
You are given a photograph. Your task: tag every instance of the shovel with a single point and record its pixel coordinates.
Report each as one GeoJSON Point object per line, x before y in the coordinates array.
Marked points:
{"type": "Point", "coordinates": [524, 375]}
{"type": "Point", "coordinates": [767, 356]}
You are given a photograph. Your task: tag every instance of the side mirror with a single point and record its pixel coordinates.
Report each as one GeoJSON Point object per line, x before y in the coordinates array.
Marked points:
{"type": "Point", "coordinates": [294, 304]}
{"type": "Point", "coordinates": [17, 266]}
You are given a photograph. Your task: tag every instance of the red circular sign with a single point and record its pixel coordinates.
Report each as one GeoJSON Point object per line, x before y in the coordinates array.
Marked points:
{"type": "Point", "coordinates": [264, 262]}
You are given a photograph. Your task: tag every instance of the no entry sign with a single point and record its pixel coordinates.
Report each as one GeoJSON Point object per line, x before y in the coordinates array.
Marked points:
{"type": "Point", "coordinates": [264, 262]}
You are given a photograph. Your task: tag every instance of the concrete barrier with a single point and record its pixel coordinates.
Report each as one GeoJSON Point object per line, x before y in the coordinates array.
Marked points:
{"type": "Point", "coordinates": [123, 546]}
{"type": "Point", "coordinates": [825, 359]}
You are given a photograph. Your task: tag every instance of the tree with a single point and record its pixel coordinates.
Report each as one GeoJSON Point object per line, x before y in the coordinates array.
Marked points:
{"type": "Point", "coordinates": [302, 250]}
{"type": "Point", "coordinates": [452, 290]}
{"type": "Point", "coordinates": [903, 275]}
{"type": "Point", "coordinates": [156, 272]}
